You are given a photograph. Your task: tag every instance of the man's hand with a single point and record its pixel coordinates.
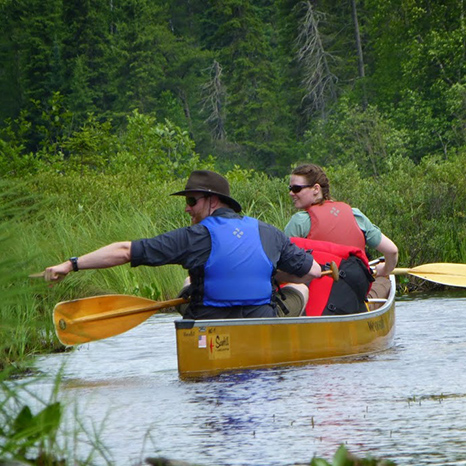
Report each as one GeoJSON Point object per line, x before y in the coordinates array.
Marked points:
{"type": "Point", "coordinates": [57, 272]}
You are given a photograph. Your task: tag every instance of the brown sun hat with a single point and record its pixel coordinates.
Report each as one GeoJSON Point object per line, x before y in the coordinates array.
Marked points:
{"type": "Point", "coordinates": [206, 181]}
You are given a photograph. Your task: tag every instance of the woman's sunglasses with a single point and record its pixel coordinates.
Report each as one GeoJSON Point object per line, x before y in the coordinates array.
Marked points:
{"type": "Point", "coordinates": [192, 201]}
{"type": "Point", "coordinates": [296, 188]}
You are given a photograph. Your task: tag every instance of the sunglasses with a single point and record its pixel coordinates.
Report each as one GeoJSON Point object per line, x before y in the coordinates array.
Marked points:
{"type": "Point", "coordinates": [296, 188]}
{"type": "Point", "coordinates": [192, 201]}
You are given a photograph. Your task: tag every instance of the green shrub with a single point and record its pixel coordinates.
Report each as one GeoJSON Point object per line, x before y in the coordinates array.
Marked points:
{"type": "Point", "coordinates": [350, 135]}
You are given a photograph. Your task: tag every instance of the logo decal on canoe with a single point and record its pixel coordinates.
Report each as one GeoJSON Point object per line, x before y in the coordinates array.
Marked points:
{"type": "Point", "coordinates": [219, 346]}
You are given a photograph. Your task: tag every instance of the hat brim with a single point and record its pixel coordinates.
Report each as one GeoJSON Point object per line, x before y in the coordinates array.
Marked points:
{"type": "Point", "coordinates": [236, 206]}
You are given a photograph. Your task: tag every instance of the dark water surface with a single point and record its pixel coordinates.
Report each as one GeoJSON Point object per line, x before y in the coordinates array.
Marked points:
{"type": "Point", "coordinates": [407, 404]}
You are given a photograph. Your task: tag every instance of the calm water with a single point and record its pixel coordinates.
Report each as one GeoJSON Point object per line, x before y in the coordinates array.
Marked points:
{"type": "Point", "coordinates": [407, 404]}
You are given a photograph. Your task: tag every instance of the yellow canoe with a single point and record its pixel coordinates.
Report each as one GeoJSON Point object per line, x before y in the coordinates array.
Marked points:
{"type": "Point", "coordinates": [209, 347]}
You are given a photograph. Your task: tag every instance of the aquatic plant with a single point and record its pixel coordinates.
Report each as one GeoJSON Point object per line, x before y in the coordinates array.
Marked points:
{"type": "Point", "coordinates": [29, 429]}
{"type": "Point", "coordinates": [33, 428]}
{"type": "Point", "coordinates": [343, 457]}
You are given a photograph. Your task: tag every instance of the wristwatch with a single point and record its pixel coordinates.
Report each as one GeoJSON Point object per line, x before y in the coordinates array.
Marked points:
{"type": "Point", "coordinates": [74, 263]}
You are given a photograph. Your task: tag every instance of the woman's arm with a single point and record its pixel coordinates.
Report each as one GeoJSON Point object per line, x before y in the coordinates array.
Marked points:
{"type": "Point", "coordinates": [388, 248]}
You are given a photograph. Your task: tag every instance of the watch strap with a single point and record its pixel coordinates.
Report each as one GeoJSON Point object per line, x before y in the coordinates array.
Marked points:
{"type": "Point", "coordinates": [74, 263]}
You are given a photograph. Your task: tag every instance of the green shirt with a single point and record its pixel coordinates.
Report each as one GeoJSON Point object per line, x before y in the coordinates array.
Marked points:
{"type": "Point", "coordinates": [300, 226]}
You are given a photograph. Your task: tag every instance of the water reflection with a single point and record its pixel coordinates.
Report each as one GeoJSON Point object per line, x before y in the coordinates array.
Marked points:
{"type": "Point", "coordinates": [407, 404]}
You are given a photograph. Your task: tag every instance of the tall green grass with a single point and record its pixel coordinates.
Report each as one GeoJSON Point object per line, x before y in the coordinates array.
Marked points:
{"type": "Point", "coordinates": [32, 429]}
{"type": "Point", "coordinates": [22, 329]}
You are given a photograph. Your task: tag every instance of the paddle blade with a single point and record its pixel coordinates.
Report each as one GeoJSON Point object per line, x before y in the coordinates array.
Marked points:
{"type": "Point", "coordinates": [83, 320]}
{"type": "Point", "coordinates": [442, 272]}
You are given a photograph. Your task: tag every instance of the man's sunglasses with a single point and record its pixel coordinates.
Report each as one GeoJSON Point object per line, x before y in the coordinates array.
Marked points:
{"type": "Point", "coordinates": [296, 188]}
{"type": "Point", "coordinates": [192, 201]}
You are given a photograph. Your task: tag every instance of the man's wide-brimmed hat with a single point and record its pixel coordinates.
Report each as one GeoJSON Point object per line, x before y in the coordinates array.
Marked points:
{"type": "Point", "coordinates": [206, 181]}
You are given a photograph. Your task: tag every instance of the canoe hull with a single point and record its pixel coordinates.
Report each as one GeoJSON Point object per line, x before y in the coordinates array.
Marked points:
{"type": "Point", "coordinates": [209, 347]}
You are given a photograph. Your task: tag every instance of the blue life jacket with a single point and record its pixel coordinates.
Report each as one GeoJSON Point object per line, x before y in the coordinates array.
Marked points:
{"type": "Point", "coordinates": [238, 272]}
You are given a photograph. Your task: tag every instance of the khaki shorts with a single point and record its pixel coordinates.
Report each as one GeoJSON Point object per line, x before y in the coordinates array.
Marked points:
{"type": "Point", "coordinates": [379, 290]}
{"type": "Point", "coordinates": [296, 296]}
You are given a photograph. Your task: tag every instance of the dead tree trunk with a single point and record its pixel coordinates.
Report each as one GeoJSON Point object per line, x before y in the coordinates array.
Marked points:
{"type": "Point", "coordinates": [318, 81]}
{"type": "Point", "coordinates": [359, 52]}
{"type": "Point", "coordinates": [214, 102]}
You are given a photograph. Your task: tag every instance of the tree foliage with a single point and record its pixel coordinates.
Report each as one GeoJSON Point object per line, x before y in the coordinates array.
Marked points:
{"type": "Point", "coordinates": [248, 80]}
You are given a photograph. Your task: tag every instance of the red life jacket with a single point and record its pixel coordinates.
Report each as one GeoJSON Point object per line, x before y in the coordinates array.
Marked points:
{"type": "Point", "coordinates": [347, 295]}
{"type": "Point", "coordinates": [334, 221]}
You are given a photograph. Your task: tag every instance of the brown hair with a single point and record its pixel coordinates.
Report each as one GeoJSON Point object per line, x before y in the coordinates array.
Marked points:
{"type": "Point", "coordinates": [314, 174]}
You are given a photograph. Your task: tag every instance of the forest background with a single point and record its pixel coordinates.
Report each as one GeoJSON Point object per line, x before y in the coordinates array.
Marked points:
{"type": "Point", "coordinates": [107, 105]}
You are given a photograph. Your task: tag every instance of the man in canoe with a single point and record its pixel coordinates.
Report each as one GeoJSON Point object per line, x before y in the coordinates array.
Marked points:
{"type": "Point", "coordinates": [232, 260]}
{"type": "Point", "coordinates": [323, 219]}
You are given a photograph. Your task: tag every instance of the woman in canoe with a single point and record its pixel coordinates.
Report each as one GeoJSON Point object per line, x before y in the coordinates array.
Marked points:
{"type": "Point", "coordinates": [323, 219]}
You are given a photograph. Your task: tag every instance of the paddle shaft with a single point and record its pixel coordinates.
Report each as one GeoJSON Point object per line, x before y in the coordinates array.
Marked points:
{"type": "Point", "coordinates": [127, 312]}
{"type": "Point", "coordinates": [444, 273]}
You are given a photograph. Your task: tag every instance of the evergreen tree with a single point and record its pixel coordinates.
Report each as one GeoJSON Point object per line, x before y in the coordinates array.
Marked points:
{"type": "Point", "coordinates": [243, 34]}
{"type": "Point", "coordinates": [288, 67]}
{"type": "Point", "coordinates": [35, 34]}
{"type": "Point", "coordinates": [418, 69]}
{"type": "Point", "coordinates": [10, 75]}
{"type": "Point", "coordinates": [88, 26]}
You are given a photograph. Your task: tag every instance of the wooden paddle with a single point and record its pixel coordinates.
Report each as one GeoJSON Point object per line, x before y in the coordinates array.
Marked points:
{"type": "Point", "coordinates": [87, 319]}
{"type": "Point", "coordinates": [442, 272]}
{"type": "Point", "coordinates": [98, 317]}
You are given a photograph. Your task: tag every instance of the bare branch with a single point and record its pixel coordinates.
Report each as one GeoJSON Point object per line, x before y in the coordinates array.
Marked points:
{"type": "Point", "coordinates": [214, 102]}
{"type": "Point", "coordinates": [319, 82]}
